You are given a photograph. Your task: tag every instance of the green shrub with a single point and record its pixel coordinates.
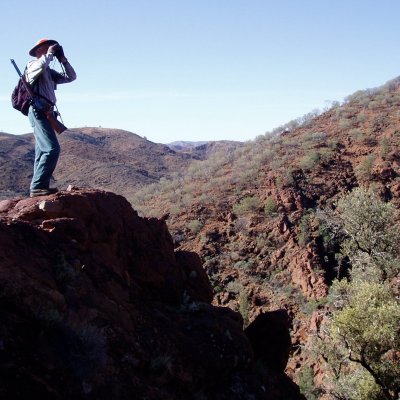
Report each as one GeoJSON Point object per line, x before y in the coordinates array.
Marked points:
{"type": "Point", "coordinates": [305, 380]}
{"type": "Point", "coordinates": [362, 116]}
{"type": "Point", "coordinates": [309, 306]}
{"type": "Point", "coordinates": [304, 229]}
{"type": "Point", "coordinates": [318, 136]}
{"type": "Point", "coordinates": [365, 168]}
{"type": "Point", "coordinates": [310, 160]}
{"type": "Point", "coordinates": [270, 207]}
{"type": "Point", "coordinates": [313, 137]}
{"type": "Point", "coordinates": [244, 307]}
{"type": "Point", "coordinates": [373, 105]}
{"type": "Point", "coordinates": [195, 226]}
{"type": "Point", "coordinates": [245, 265]}
{"type": "Point", "coordinates": [176, 209]}
{"type": "Point", "coordinates": [234, 287]}
{"type": "Point", "coordinates": [345, 123]}
{"type": "Point", "coordinates": [247, 205]}
{"type": "Point", "coordinates": [385, 147]}
{"type": "Point", "coordinates": [357, 135]}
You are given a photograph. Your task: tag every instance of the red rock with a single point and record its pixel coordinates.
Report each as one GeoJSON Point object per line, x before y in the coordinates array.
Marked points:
{"type": "Point", "coordinates": [93, 307]}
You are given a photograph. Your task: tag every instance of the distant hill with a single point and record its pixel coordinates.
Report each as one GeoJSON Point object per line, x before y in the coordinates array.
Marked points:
{"type": "Point", "coordinates": [16, 163]}
{"type": "Point", "coordinates": [109, 159]}
{"type": "Point", "coordinates": [203, 150]}
{"type": "Point", "coordinates": [185, 145]}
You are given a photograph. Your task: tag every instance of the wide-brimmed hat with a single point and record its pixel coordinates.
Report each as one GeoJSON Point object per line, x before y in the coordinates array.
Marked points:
{"type": "Point", "coordinates": [32, 51]}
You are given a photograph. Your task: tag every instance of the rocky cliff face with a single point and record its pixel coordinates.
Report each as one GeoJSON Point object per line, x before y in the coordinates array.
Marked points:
{"type": "Point", "coordinates": [95, 304]}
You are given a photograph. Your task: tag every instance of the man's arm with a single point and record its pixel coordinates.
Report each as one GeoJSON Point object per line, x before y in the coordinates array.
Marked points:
{"type": "Point", "coordinates": [36, 67]}
{"type": "Point", "coordinates": [68, 76]}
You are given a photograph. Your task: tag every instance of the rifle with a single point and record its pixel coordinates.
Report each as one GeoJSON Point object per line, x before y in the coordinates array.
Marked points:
{"type": "Point", "coordinates": [40, 105]}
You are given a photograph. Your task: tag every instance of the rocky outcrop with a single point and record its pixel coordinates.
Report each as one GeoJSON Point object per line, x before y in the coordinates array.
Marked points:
{"type": "Point", "coordinates": [271, 327]}
{"type": "Point", "coordinates": [95, 304]}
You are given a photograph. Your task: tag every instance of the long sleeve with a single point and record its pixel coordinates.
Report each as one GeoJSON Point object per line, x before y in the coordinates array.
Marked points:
{"type": "Point", "coordinates": [39, 71]}
{"type": "Point", "coordinates": [68, 76]}
{"type": "Point", "coordinates": [36, 67]}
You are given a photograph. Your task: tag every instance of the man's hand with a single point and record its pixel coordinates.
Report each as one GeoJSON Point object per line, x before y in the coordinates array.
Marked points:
{"type": "Point", "coordinates": [53, 48]}
{"type": "Point", "coordinates": [60, 54]}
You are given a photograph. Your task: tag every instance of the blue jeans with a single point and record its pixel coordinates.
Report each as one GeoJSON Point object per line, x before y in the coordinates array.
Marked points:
{"type": "Point", "coordinates": [47, 150]}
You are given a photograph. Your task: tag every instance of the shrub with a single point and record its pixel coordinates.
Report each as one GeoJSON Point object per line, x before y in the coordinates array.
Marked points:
{"type": "Point", "coordinates": [357, 135]}
{"type": "Point", "coordinates": [176, 209]}
{"type": "Point", "coordinates": [373, 105]}
{"type": "Point", "coordinates": [385, 147]}
{"type": "Point", "coordinates": [234, 287]}
{"type": "Point", "coordinates": [310, 160]}
{"type": "Point", "coordinates": [245, 265]}
{"type": "Point", "coordinates": [307, 119]}
{"type": "Point", "coordinates": [364, 169]}
{"type": "Point", "coordinates": [306, 384]}
{"type": "Point", "coordinates": [270, 207]}
{"type": "Point", "coordinates": [241, 225]}
{"type": "Point", "coordinates": [304, 229]}
{"type": "Point", "coordinates": [345, 124]}
{"type": "Point", "coordinates": [318, 136]}
{"type": "Point", "coordinates": [325, 154]}
{"type": "Point", "coordinates": [313, 137]}
{"type": "Point", "coordinates": [362, 117]}
{"type": "Point", "coordinates": [289, 176]}
{"type": "Point", "coordinates": [379, 123]}
{"type": "Point", "coordinates": [396, 100]}
{"type": "Point", "coordinates": [247, 205]}
{"type": "Point", "coordinates": [195, 226]}
{"type": "Point", "coordinates": [244, 307]}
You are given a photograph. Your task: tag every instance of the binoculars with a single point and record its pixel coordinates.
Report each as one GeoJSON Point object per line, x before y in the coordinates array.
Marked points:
{"type": "Point", "coordinates": [59, 53]}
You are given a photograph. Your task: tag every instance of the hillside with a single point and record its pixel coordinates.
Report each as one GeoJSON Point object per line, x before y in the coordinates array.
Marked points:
{"type": "Point", "coordinates": [204, 150]}
{"type": "Point", "coordinates": [109, 159]}
{"type": "Point", "coordinates": [260, 217]}
{"type": "Point", "coordinates": [96, 304]}
{"type": "Point", "coordinates": [16, 162]}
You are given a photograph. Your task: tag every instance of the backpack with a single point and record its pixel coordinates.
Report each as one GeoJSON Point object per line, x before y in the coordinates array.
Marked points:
{"type": "Point", "coordinates": [20, 98]}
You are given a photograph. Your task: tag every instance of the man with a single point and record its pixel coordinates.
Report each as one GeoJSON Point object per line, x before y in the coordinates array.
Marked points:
{"type": "Point", "coordinates": [44, 81]}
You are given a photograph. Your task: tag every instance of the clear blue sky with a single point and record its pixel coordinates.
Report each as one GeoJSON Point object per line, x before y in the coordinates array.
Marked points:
{"type": "Point", "coordinates": [202, 69]}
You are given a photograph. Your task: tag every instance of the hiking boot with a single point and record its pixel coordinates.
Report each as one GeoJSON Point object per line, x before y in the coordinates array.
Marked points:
{"type": "Point", "coordinates": [43, 192]}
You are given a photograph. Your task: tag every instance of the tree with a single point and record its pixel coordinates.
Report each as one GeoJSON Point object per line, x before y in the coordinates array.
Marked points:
{"type": "Point", "coordinates": [360, 339]}
{"type": "Point", "coordinates": [372, 229]}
